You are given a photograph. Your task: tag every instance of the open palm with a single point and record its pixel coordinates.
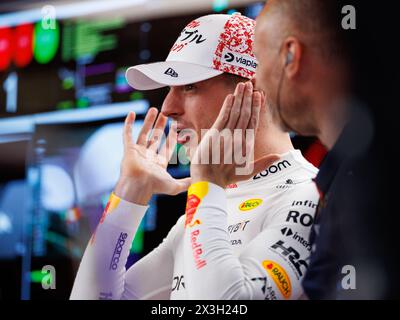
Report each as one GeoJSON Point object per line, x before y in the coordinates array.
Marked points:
{"type": "Point", "coordinates": [144, 162]}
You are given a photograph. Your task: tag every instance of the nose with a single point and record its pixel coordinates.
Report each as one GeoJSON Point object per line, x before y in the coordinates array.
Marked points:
{"type": "Point", "coordinates": [172, 105]}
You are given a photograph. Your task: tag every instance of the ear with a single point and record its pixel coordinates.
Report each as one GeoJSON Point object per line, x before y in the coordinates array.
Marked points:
{"type": "Point", "coordinates": [291, 56]}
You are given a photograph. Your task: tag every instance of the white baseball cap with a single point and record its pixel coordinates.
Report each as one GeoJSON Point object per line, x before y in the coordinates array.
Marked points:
{"type": "Point", "coordinates": [206, 48]}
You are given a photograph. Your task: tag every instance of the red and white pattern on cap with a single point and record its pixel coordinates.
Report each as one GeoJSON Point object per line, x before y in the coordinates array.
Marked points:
{"type": "Point", "coordinates": [238, 36]}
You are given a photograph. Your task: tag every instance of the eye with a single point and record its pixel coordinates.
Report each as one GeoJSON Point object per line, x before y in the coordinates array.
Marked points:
{"type": "Point", "coordinates": [189, 87]}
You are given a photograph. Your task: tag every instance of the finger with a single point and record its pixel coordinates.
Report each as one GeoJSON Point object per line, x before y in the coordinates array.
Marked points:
{"type": "Point", "coordinates": [181, 185]}
{"type": "Point", "coordinates": [254, 82]}
{"type": "Point", "coordinates": [247, 106]}
{"type": "Point", "coordinates": [249, 133]}
{"type": "Point", "coordinates": [263, 98]}
{"type": "Point", "coordinates": [147, 126]}
{"type": "Point", "coordinates": [251, 130]}
{"type": "Point", "coordinates": [255, 114]}
{"type": "Point", "coordinates": [127, 131]}
{"type": "Point", "coordinates": [237, 104]}
{"type": "Point", "coordinates": [158, 132]}
{"type": "Point", "coordinates": [169, 145]}
{"type": "Point", "coordinates": [224, 114]}
{"type": "Point", "coordinates": [245, 116]}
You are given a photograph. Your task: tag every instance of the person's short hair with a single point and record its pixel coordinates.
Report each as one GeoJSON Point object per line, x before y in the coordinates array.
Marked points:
{"type": "Point", "coordinates": [319, 20]}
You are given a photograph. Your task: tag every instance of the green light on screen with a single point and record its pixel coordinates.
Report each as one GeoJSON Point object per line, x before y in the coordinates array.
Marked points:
{"type": "Point", "coordinates": [68, 83]}
{"type": "Point", "coordinates": [83, 38]}
{"type": "Point", "coordinates": [136, 96]}
{"type": "Point", "coordinates": [45, 42]}
{"type": "Point", "coordinates": [37, 277]}
{"type": "Point", "coordinates": [82, 103]}
{"type": "Point", "coordinates": [65, 105]}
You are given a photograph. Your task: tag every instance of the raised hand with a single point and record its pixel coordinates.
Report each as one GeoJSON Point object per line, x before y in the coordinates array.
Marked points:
{"type": "Point", "coordinates": [144, 164]}
{"type": "Point", "coordinates": [232, 134]}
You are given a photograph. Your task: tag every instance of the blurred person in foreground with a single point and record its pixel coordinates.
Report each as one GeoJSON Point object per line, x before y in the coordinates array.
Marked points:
{"type": "Point", "coordinates": [238, 239]}
{"type": "Point", "coordinates": [318, 78]}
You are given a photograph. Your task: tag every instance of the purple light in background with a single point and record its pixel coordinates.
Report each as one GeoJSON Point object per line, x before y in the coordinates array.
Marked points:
{"type": "Point", "coordinates": [123, 88]}
{"type": "Point", "coordinates": [121, 85]}
{"type": "Point", "coordinates": [99, 69]}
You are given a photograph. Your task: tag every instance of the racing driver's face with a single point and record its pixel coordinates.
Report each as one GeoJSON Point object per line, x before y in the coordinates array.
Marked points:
{"type": "Point", "coordinates": [195, 107]}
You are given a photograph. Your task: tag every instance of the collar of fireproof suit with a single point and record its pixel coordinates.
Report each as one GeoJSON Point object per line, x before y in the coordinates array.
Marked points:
{"type": "Point", "coordinates": [287, 163]}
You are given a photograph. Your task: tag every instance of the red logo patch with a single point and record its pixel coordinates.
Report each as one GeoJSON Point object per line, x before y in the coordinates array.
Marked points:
{"type": "Point", "coordinates": [193, 202]}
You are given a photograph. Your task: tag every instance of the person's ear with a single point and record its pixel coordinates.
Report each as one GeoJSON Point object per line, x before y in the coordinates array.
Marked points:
{"type": "Point", "coordinates": [292, 54]}
{"type": "Point", "coordinates": [289, 58]}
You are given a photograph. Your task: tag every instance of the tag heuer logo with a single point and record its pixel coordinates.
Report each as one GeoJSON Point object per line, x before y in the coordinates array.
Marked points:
{"type": "Point", "coordinates": [171, 72]}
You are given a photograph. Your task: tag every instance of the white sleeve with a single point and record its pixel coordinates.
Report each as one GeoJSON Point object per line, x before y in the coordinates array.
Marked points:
{"type": "Point", "coordinates": [151, 277]}
{"type": "Point", "coordinates": [271, 266]}
{"type": "Point", "coordinates": [102, 273]}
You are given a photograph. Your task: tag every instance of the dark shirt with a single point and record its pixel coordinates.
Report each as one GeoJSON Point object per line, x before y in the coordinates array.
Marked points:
{"type": "Point", "coordinates": [352, 236]}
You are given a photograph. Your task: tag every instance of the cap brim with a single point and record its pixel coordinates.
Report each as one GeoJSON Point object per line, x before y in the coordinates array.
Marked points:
{"type": "Point", "coordinates": [168, 73]}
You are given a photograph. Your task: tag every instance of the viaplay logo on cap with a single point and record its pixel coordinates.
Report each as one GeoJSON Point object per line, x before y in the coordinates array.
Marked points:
{"type": "Point", "coordinates": [229, 57]}
{"type": "Point", "coordinates": [237, 60]}
{"type": "Point", "coordinates": [234, 53]}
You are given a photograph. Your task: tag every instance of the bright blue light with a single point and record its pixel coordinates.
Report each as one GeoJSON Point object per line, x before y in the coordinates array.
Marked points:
{"type": "Point", "coordinates": [254, 10]}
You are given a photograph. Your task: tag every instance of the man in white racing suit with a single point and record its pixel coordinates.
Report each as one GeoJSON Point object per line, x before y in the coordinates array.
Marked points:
{"type": "Point", "coordinates": [243, 239]}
